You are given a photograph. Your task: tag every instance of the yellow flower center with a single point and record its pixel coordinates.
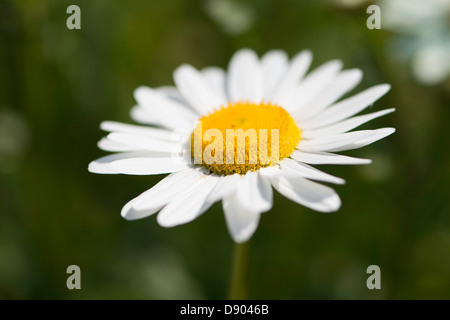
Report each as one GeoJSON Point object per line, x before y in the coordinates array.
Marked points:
{"type": "Point", "coordinates": [244, 136]}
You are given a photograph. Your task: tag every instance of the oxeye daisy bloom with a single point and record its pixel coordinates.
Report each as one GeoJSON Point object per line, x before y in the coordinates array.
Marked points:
{"type": "Point", "coordinates": [300, 111]}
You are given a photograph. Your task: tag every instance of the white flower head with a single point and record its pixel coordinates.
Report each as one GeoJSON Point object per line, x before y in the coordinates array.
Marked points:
{"type": "Point", "coordinates": [299, 114]}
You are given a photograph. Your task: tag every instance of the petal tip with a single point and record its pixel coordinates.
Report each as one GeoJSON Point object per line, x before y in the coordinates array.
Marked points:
{"type": "Point", "coordinates": [388, 131]}
{"type": "Point", "coordinates": [333, 204]}
{"type": "Point", "coordinates": [385, 87]}
{"type": "Point", "coordinates": [95, 167]}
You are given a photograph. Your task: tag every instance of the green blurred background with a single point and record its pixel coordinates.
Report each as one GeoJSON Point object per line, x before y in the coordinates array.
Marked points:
{"type": "Point", "coordinates": [57, 85]}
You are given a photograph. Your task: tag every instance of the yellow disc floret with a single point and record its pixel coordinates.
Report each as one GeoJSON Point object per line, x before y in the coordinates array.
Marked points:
{"type": "Point", "coordinates": [244, 136]}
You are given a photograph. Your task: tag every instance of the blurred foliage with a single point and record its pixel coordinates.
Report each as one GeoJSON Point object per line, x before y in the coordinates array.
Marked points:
{"type": "Point", "coordinates": [57, 85]}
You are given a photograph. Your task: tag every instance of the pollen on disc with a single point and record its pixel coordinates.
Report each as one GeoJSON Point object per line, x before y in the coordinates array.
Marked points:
{"type": "Point", "coordinates": [244, 137]}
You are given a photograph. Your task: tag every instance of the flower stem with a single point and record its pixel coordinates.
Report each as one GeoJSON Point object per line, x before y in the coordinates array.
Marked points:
{"type": "Point", "coordinates": [239, 269]}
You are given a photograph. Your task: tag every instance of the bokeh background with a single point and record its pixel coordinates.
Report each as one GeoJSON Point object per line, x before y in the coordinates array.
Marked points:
{"type": "Point", "coordinates": [57, 85]}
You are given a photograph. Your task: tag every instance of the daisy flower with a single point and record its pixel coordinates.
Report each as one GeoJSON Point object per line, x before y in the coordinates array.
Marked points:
{"type": "Point", "coordinates": [300, 110]}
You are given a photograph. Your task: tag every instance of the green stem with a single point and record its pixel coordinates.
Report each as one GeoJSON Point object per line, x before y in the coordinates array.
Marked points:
{"type": "Point", "coordinates": [239, 270]}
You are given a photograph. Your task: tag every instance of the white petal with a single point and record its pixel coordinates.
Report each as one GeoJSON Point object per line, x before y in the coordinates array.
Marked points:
{"type": "Point", "coordinates": [313, 84]}
{"type": "Point", "coordinates": [274, 65]}
{"type": "Point", "coordinates": [344, 126]}
{"type": "Point", "coordinates": [169, 113]}
{"type": "Point", "coordinates": [296, 70]}
{"type": "Point", "coordinates": [196, 90]}
{"type": "Point", "coordinates": [344, 141]}
{"type": "Point", "coordinates": [113, 146]}
{"type": "Point", "coordinates": [130, 213]}
{"type": "Point", "coordinates": [254, 192]}
{"type": "Point", "coordinates": [144, 143]}
{"type": "Point", "coordinates": [137, 163]}
{"type": "Point", "coordinates": [330, 142]}
{"type": "Point", "coordinates": [305, 171]}
{"type": "Point", "coordinates": [101, 165]}
{"type": "Point", "coordinates": [342, 84]}
{"type": "Point", "coordinates": [245, 77]}
{"type": "Point", "coordinates": [378, 134]}
{"type": "Point", "coordinates": [241, 222]}
{"type": "Point", "coordinates": [154, 117]}
{"type": "Point", "coordinates": [348, 107]}
{"type": "Point", "coordinates": [112, 126]}
{"type": "Point", "coordinates": [225, 186]}
{"type": "Point", "coordinates": [152, 200]}
{"type": "Point", "coordinates": [171, 93]}
{"type": "Point", "coordinates": [269, 171]}
{"type": "Point", "coordinates": [141, 115]}
{"type": "Point", "coordinates": [326, 158]}
{"type": "Point", "coordinates": [310, 194]}
{"type": "Point", "coordinates": [177, 184]}
{"type": "Point", "coordinates": [186, 208]}
{"type": "Point", "coordinates": [147, 166]}
{"type": "Point", "coordinates": [215, 77]}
